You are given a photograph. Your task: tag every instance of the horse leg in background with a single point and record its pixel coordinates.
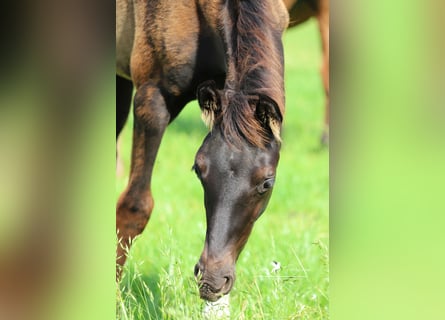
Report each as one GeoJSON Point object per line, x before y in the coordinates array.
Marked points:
{"type": "Point", "coordinates": [323, 22]}
{"type": "Point", "coordinates": [135, 204]}
{"type": "Point", "coordinates": [124, 92]}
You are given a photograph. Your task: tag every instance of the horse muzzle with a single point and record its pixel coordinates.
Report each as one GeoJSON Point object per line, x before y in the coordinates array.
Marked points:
{"type": "Point", "coordinates": [214, 283]}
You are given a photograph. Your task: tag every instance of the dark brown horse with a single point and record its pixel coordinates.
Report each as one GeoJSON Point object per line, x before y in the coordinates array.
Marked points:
{"type": "Point", "coordinates": [228, 54]}
{"type": "Point", "coordinates": [299, 12]}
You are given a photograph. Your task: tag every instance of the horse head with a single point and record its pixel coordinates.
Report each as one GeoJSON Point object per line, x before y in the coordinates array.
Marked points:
{"type": "Point", "coordinates": [237, 174]}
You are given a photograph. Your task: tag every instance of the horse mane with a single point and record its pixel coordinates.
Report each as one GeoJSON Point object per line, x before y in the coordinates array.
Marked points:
{"type": "Point", "coordinates": [253, 31]}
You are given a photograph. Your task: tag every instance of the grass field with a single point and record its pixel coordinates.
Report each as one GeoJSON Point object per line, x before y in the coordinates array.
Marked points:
{"type": "Point", "coordinates": [158, 280]}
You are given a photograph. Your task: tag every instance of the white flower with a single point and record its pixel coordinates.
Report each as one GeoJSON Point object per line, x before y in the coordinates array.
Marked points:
{"type": "Point", "coordinates": [276, 266]}
{"type": "Point", "coordinates": [219, 309]}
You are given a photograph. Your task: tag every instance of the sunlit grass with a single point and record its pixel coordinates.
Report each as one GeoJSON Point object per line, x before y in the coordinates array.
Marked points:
{"type": "Point", "coordinates": [158, 280]}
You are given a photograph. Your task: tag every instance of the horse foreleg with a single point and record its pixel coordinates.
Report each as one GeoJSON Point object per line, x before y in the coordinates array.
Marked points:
{"type": "Point", "coordinates": [135, 204]}
{"type": "Point", "coordinates": [323, 22]}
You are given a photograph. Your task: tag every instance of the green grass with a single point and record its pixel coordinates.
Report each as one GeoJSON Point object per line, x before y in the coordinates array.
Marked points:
{"type": "Point", "coordinates": [158, 280]}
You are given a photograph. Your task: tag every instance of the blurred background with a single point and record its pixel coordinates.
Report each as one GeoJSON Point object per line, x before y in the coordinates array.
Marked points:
{"type": "Point", "coordinates": [58, 184]}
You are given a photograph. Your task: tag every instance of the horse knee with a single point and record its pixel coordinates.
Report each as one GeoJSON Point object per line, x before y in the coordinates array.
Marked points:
{"type": "Point", "coordinates": [133, 213]}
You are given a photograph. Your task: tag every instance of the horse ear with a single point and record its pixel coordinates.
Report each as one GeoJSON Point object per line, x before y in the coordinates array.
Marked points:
{"type": "Point", "coordinates": [209, 102]}
{"type": "Point", "coordinates": [269, 115]}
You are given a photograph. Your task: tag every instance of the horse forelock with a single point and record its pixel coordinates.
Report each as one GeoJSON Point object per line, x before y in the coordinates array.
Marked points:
{"type": "Point", "coordinates": [238, 122]}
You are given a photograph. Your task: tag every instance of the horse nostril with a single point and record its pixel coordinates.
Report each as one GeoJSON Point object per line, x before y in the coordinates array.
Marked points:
{"type": "Point", "coordinates": [228, 284]}
{"type": "Point", "coordinates": [197, 271]}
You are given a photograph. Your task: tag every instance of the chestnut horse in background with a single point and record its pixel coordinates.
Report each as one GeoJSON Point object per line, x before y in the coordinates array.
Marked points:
{"type": "Point", "coordinates": [299, 12]}
{"type": "Point", "coordinates": [229, 55]}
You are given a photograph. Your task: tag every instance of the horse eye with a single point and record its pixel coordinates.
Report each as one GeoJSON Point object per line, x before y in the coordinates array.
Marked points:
{"type": "Point", "coordinates": [266, 185]}
{"type": "Point", "coordinates": [196, 169]}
